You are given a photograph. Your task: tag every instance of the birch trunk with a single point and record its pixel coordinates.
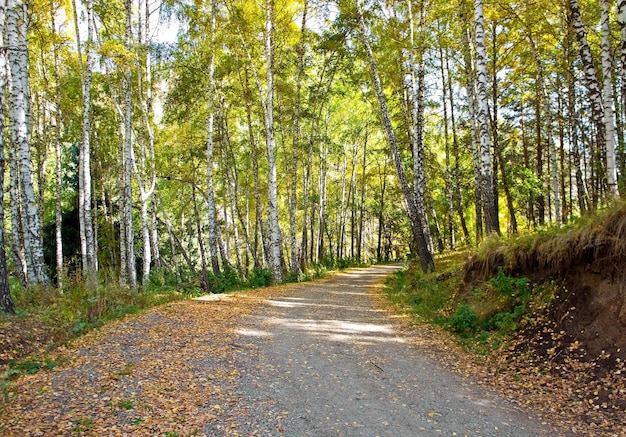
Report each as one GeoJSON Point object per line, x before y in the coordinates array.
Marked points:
{"type": "Point", "coordinates": [146, 176]}
{"type": "Point", "coordinates": [591, 77]}
{"type": "Point", "coordinates": [58, 216]}
{"type": "Point", "coordinates": [6, 302]}
{"type": "Point", "coordinates": [416, 217]}
{"type": "Point", "coordinates": [154, 232]}
{"type": "Point", "coordinates": [232, 187]}
{"type": "Point", "coordinates": [86, 222]}
{"type": "Point", "coordinates": [621, 19]}
{"type": "Point", "coordinates": [609, 114]}
{"type": "Point", "coordinates": [20, 119]}
{"type": "Point", "coordinates": [471, 97]}
{"type": "Point", "coordinates": [257, 183]}
{"type": "Point", "coordinates": [296, 144]}
{"type": "Point", "coordinates": [211, 209]}
{"type": "Point", "coordinates": [321, 206]}
{"type": "Point", "coordinates": [17, 234]}
{"type": "Point", "coordinates": [457, 195]}
{"type": "Point", "coordinates": [204, 279]}
{"type": "Point", "coordinates": [417, 106]}
{"type": "Point", "coordinates": [489, 204]}
{"type": "Point", "coordinates": [127, 160]}
{"type": "Point", "coordinates": [446, 140]}
{"type": "Point", "coordinates": [363, 188]}
{"type": "Point", "coordinates": [581, 189]}
{"type": "Point", "coordinates": [272, 198]}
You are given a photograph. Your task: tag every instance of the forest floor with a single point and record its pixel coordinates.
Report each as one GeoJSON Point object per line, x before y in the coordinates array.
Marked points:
{"type": "Point", "coordinates": [319, 359]}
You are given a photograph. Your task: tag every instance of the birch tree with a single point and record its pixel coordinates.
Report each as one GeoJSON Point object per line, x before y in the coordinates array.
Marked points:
{"type": "Point", "coordinates": [470, 85]}
{"type": "Point", "coordinates": [145, 172]}
{"type": "Point", "coordinates": [417, 107]}
{"type": "Point", "coordinates": [58, 120]}
{"type": "Point", "coordinates": [211, 214]}
{"type": "Point", "coordinates": [6, 302]}
{"type": "Point", "coordinates": [87, 242]}
{"type": "Point", "coordinates": [489, 204]}
{"type": "Point", "coordinates": [607, 94]}
{"type": "Point", "coordinates": [268, 109]}
{"type": "Point", "coordinates": [127, 158]}
{"type": "Point", "coordinates": [416, 216]}
{"type": "Point", "coordinates": [591, 77]}
{"type": "Point", "coordinates": [296, 143]}
{"type": "Point", "coordinates": [20, 121]}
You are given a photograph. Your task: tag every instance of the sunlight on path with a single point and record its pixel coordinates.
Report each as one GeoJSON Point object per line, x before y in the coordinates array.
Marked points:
{"type": "Point", "coordinates": [339, 366]}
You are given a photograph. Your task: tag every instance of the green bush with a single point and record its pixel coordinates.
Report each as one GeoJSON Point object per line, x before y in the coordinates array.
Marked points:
{"type": "Point", "coordinates": [464, 321]}
{"type": "Point", "coordinates": [514, 289]}
{"type": "Point", "coordinates": [260, 278]}
{"type": "Point", "coordinates": [227, 280]}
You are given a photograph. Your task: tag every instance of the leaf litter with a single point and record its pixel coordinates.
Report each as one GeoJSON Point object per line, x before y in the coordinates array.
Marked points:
{"type": "Point", "coordinates": [174, 371]}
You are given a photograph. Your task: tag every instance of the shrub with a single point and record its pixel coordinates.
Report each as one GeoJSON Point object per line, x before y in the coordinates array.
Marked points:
{"type": "Point", "coordinates": [464, 320]}
{"type": "Point", "coordinates": [260, 278]}
{"type": "Point", "coordinates": [514, 289]}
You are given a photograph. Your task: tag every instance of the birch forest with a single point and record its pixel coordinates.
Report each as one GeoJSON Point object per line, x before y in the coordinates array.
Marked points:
{"type": "Point", "coordinates": [211, 138]}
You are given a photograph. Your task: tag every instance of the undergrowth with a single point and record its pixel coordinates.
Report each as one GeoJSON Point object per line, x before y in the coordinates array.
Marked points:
{"type": "Point", "coordinates": [482, 318]}
{"type": "Point", "coordinates": [484, 298]}
{"type": "Point", "coordinates": [47, 317]}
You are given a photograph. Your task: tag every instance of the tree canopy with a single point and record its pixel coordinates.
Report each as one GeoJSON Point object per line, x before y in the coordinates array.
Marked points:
{"type": "Point", "coordinates": [278, 135]}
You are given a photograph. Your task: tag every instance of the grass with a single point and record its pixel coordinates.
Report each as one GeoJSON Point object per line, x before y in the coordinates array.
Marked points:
{"type": "Point", "coordinates": [47, 318]}
{"type": "Point", "coordinates": [428, 296]}
{"type": "Point", "coordinates": [485, 296]}
{"type": "Point", "coordinates": [483, 315]}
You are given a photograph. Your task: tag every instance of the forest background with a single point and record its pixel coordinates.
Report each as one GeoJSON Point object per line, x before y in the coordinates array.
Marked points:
{"type": "Point", "coordinates": [267, 137]}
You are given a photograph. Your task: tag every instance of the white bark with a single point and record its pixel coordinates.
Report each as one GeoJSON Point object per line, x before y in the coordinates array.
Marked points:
{"type": "Point", "coordinates": [417, 100]}
{"type": "Point", "coordinates": [88, 250]}
{"type": "Point", "coordinates": [448, 176]}
{"type": "Point", "coordinates": [128, 159]}
{"type": "Point", "coordinates": [58, 218]}
{"type": "Point", "coordinates": [211, 214]}
{"type": "Point", "coordinates": [17, 239]}
{"type": "Point", "coordinates": [154, 232]}
{"type": "Point", "coordinates": [472, 109]}
{"type": "Point", "coordinates": [491, 214]}
{"type": "Point", "coordinates": [591, 77]}
{"type": "Point", "coordinates": [609, 112]}
{"type": "Point", "coordinates": [20, 119]}
{"type": "Point", "coordinates": [621, 19]}
{"type": "Point", "coordinates": [145, 176]}
{"type": "Point", "coordinates": [296, 144]}
{"type": "Point", "coordinates": [272, 198]}
{"type": "Point", "coordinates": [415, 216]}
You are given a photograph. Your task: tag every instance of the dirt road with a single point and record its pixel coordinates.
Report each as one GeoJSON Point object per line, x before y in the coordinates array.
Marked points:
{"type": "Point", "coordinates": [341, 367]}
{"type": "Point", "coordinates": [311, 359]}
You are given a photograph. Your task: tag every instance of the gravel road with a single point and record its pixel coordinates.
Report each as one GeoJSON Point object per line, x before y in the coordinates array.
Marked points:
{"type": "Point", "coordinates": [334, 364]}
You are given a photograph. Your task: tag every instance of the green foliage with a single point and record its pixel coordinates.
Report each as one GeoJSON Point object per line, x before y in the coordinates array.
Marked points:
{"type": "Point", "coordinates": [83, 424]}
{"type": "Point", "coordinates": [427, 296]}
{"type": "Point", "coordinates": [514, 289]}
{"type": "Point", "coordinates": [482, 318]}
{"type": "Point", "coordinates": [126, 404]}
{"type": "Point", "coordinates": [29, 367]}
{"type": "Point", "coordinates": [260, 278]}
{"type": "Point", "coordinates": [464, 321]}
{"type": "Point", "coordinates": [227, 280]}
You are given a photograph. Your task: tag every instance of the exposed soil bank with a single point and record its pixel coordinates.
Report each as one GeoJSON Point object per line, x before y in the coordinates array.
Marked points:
{"type": "Point", "coordinates": [581, 334]}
